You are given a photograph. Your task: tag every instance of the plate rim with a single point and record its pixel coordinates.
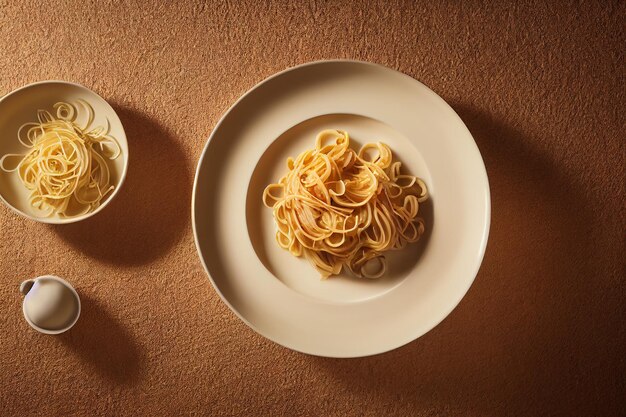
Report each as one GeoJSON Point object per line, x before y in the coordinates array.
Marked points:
{"type": "Point", "coordinates": [487, 214]}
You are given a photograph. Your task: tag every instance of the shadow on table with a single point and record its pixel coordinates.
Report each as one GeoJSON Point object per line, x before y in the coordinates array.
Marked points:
{"type": "Point", "coordinates": [101, 341]}
{"type": "Point", "coordinates": [150, 211]}
{"type": "Point", "coordinates": [516, 338]}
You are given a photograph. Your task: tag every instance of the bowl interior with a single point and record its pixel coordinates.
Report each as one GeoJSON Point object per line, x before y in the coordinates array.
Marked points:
{"type": "Point", "coordinates": [21, 107]}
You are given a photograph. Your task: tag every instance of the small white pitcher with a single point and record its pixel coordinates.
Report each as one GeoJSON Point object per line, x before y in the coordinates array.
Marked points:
{"type": "Point", "coordinates": [51, 305]}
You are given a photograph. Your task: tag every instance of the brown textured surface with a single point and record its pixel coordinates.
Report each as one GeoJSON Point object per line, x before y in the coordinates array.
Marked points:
{"type": "Point", "coordinates": [541, 331]}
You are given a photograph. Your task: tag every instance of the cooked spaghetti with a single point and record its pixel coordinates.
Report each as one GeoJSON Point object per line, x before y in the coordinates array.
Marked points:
{"type": "Point", "coordinates": [340, 208]}
{"type": "Point", "coordinates": [66, 167]}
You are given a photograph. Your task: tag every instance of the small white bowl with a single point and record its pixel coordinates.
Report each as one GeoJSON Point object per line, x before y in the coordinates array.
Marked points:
{"type": "Point", "coordinates": [20, 106]}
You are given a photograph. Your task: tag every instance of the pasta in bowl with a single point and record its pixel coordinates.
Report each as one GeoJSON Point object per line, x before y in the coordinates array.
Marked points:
{"type": "Point", "coordinates": [65, 168]}
{"type": "Point", "coordinates": [63, 152]}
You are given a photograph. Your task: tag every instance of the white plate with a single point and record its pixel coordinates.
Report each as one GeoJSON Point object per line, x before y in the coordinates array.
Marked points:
{"type": "Point", "coordinates": [20, 106]}
{"type": "Point", "coordinates": [282, 297]}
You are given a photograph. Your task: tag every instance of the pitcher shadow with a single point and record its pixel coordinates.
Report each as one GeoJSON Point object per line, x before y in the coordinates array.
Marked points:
{"type": "Point", "coordinates": [102, 342]}
{"type": "Point", "coordinates": [151, 210]}
{"type": "Point", "coordinates": [512, 329]}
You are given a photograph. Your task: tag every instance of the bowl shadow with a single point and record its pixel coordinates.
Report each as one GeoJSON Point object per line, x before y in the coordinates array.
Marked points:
{"type": "Point", "coordinates": [150, 212]}
{"type": "Point", "coordinates": [513, 341]}
{"type": "Point", "coordinates": [102, 342]}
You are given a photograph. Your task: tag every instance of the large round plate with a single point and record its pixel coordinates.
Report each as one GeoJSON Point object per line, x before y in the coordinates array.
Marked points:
{"type": "Point", "coordinates": [282, 297]}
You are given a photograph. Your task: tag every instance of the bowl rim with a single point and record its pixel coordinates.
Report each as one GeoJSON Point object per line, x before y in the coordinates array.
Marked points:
{"type": "Point", "coordinates": [118, 186]}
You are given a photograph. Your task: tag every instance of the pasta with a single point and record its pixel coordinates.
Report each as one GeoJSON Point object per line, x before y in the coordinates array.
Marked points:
{"type": "Point", "coordinates": [66, 167]}
{"type": "Point", "coordinates": [340, 208]}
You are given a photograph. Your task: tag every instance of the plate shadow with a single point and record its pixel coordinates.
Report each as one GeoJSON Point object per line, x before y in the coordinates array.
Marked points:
{"type": "Point", "coordinates": [515, 338]}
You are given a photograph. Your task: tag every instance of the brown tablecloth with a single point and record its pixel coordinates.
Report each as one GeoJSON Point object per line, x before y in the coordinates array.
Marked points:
{"type": "Point", "coordinates": [541, 331]}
